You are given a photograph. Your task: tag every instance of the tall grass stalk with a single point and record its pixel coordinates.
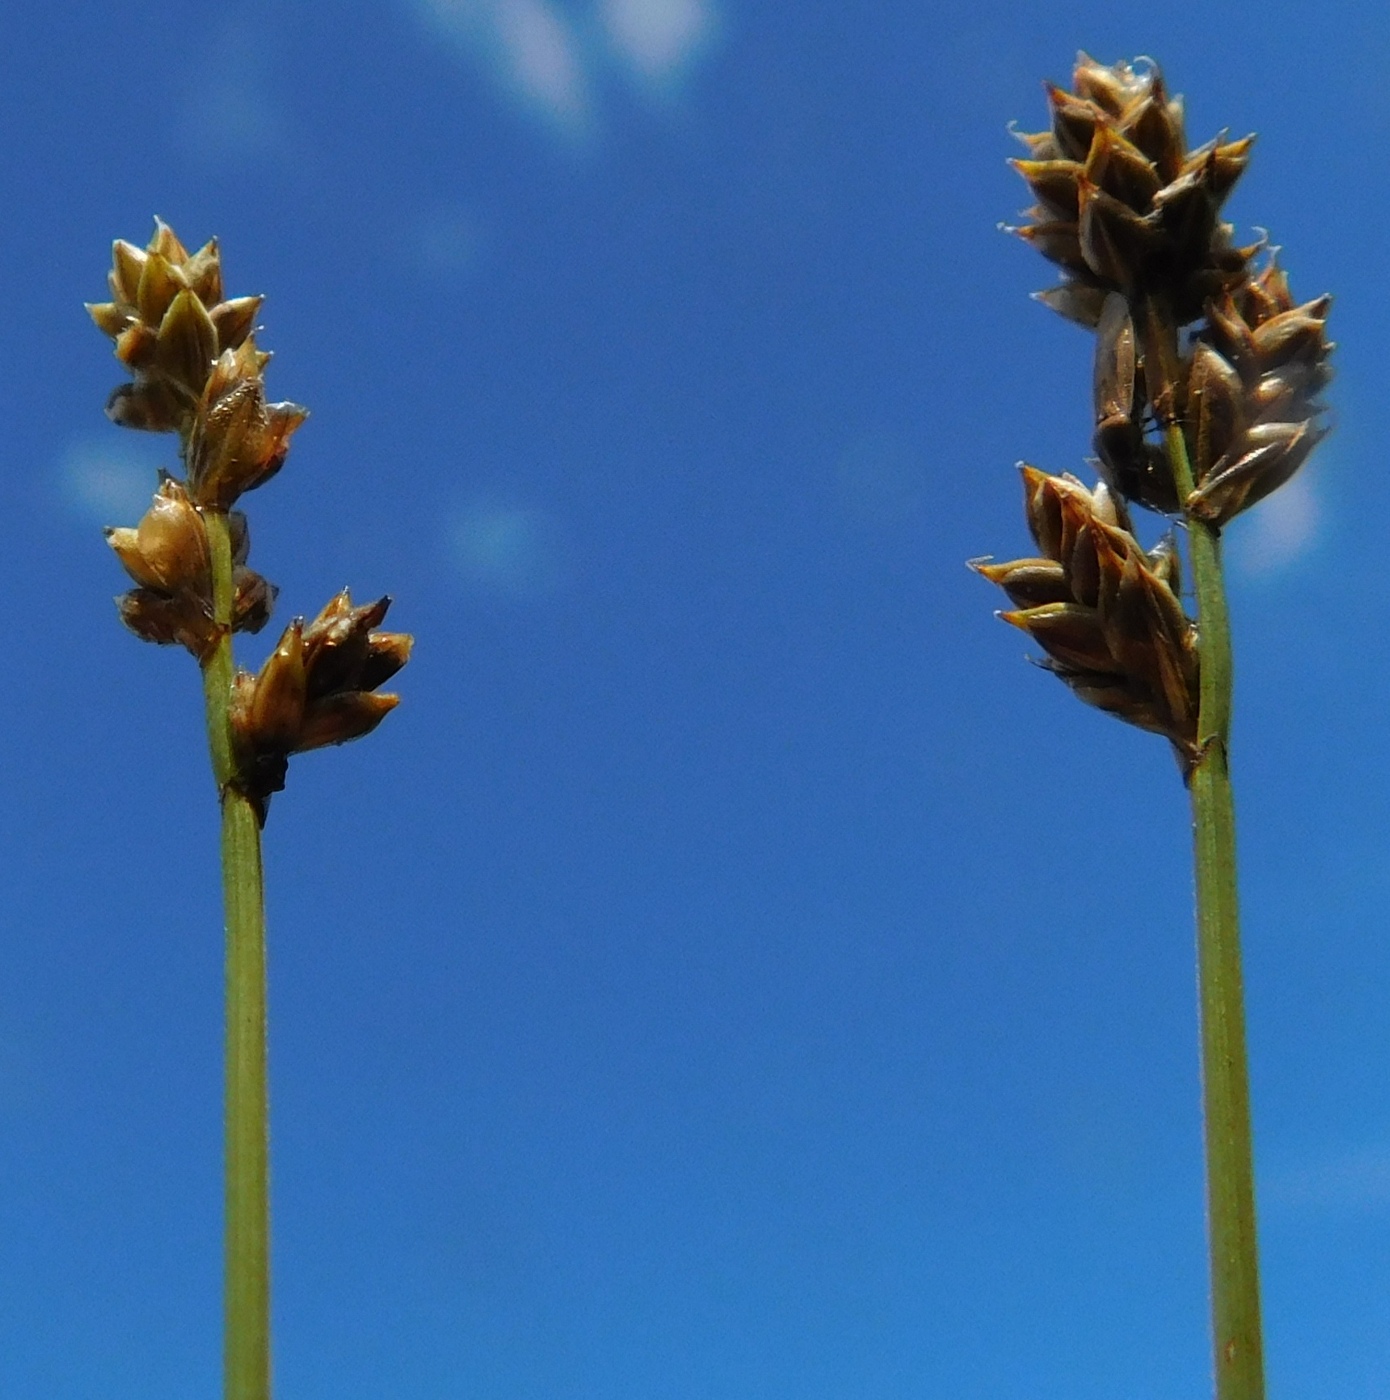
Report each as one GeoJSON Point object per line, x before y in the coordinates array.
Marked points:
{"type": "Point", "coordinates": [1205, 399]}
{"type": "Point", "coordinates": [1230, 1152]}
{"type": "Point", "coordinates": [198, 373]}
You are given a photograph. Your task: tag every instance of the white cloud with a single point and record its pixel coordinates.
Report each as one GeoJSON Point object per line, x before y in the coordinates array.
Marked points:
{"type": "Point", "coordinates": [1280, 531]}
{"type": "Point", "coordinates": [109, 481]}
{"type": "Point", "coordinates": [544, 59]}
{"type": "Point", "coordinates": [552, 59]}
{"type": "Point", "coordinates": [657, 38]}
{"type": "Point", "coordinates": [531, 47]}
{"type": "Point", "coordinates": [237, 117]}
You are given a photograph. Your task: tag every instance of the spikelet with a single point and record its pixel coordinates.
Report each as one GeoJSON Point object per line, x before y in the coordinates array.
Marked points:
{"type": "Point", "coordinates": [1253, 380]}
{"type": "Point", "coordinates": [1106, 612]}
{"type": "Point", "coordinates": [167, 557]}
{"type": "Point", "coordinates": [1122, 204]}
{"type": "Point", "coordinates": [170, 322]}
{"type": "Point", "coordinates": [318, 687]}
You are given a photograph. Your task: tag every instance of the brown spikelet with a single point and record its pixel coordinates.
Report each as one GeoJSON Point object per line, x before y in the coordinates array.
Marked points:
{"type": "Point", "coordinates": [166, 554]}
{"type": "Point", "coordinates": [1253, 411]}
{"type": "Point", "coordinates": [1122, 204]}
{"type": "Point", "coordinates": [170, 322]}
{"type": "Point", "coordinates": [237, 441]}
{"type": "Point", "coordinates": [1105, 611]}
{"type": "Point", "coordinates": [318, 687]}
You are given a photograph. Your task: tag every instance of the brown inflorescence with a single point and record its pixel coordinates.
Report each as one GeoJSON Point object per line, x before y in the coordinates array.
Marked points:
{"type": "Point", "coordinates": [197, 369]}
{"type": "Point", "coordinates": [170, 322]}
{"type": "Point", "coordinates": [198, 372]}
{"type": "Point", "coordinates": [318, 687]}
{"type": "Point", "coordinates": [1105, 610]}
{"type": "Point", "coordinates": [167, 556]}
{"type": "Point", "coordinates": [1122, 204]}
{"type": "Point", "coordinates": [1254, 376]}
{"type": "Point", "coordinates": [1245, 394]}
{"type": "Point", "coordinates": [237, 440]}
{"type": "Point", "coordinates": [1191, 340]}
{"type": "Point", "coordinates": [1132, 217]}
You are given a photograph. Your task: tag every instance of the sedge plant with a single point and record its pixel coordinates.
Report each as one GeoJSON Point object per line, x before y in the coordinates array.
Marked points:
{"type": "Point", "coordinates": [1205, 395]}
{"type": "Point", "coordinates": [198, 372]}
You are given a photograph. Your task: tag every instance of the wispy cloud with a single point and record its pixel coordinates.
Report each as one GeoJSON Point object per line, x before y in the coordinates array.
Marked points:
{"type": "Point", "coordinates": [232, 109]}
{"type": "Point", "coordinates": [531, 47]}
{"type": "Point", "coordinates": [541, 57]}
{"type": "Point", "coordinates": [552, 59]}
{"type": "Point", "coordinates": [1281, 531]}
{"type": "Point", "coordinates": [110, 481]}
{"type": "Point", "coordinates": [236, 116]}
{"type": "Point", "coordinates": [448, 241]}
{"type": "Point", "coordinates": [658, 39]}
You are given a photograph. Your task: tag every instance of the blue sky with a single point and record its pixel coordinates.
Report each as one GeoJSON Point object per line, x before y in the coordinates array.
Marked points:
{"type": "Point", "coordinates": [733, 973]}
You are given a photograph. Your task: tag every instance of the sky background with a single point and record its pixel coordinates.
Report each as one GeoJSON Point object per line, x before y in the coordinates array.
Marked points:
{"type": "Point", "coordinates": [733, 973]}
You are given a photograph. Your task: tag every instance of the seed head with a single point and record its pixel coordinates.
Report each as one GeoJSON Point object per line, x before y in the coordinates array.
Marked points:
{"type": "Point", "coordinates": [1253, 413]}
{"type": "Point", "coordinates": [1122, 204]}
{"type": "Point", "coordinates": [167, 556]}
{"type": "Point", "coordinates": [318, 687]}
{"type": "Point", "coordinates": [198, 372]}
{"type": "Point", "coordinates": [170, 322]}
{"type": "Point", "coordinates": [238, 441]}
{"type": "Point", "coordinates": [1105, 611]}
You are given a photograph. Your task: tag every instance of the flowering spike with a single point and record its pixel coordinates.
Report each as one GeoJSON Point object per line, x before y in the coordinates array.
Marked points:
{"type": "Point", "coordinates": [1146, 212]}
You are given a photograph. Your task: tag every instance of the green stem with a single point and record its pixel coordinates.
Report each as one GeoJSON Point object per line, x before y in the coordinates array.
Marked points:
{"type": "Point", "coordinates": [246, 1339]}
{"type": "Point", "coordinates": [1235, 1274]}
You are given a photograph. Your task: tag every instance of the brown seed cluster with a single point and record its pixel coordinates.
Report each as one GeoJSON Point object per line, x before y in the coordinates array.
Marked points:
{"type": "Point", "coordinates": [1106, 612]}
{"type": "Point", "coordinates": [198, 373]}
{"type": "Point", "coordinates": [167, 555]}
{"type": "Point", "coordinates": [1123, 205]}
{"type": "Point", "coordinates": [1244, 391]}
{"type": "Point", "coordinates": [1190, 337]}
{"type": "Point", "coordinates": [318, 687]}
{"type": "Point", "coordinates": [170, 323]}
{"type": "Point", "coordinates": [1253, 380]}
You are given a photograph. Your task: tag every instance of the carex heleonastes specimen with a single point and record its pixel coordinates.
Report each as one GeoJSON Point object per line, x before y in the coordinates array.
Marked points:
{"type": "Point", "coordinates": [197, 372]}
{"type": "Point", "coordinates": [1205, 400]}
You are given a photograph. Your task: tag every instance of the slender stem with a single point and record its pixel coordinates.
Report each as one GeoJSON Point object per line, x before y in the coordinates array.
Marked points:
{"type": "Point", "coordinates": [246, 1340]}
{"type": "Point", "coordinates": [218, 668]}
{"type": "Point", "coordinates": [1235, 1275]}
